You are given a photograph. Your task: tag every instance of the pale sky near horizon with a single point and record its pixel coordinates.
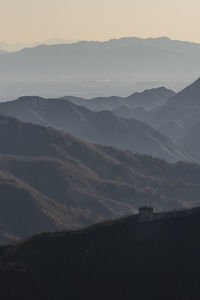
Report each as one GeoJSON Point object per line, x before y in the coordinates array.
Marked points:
{"type": "Point", "coordinates": [30, 21]}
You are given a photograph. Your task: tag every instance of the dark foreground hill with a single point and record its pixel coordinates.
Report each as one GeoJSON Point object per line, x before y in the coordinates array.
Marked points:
{"type": "Point", "coordinates": [125, 259]}
{"type": "Point", "coordinates": [50, 180]}
{"type": "Point", "coordinates": [103, 127]}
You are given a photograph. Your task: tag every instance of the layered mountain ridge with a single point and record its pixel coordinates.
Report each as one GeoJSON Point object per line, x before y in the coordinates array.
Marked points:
{"type": "Point", "coordinates": [123, 56]}
{"type": "Point", "coordinates": [50, 181]}
{"type": "Point", "coordinates": [147, 99]}
{"type": "Point", "coordinates": [183, 111]}
{"type": "Point", "coordinates": [102, 127]}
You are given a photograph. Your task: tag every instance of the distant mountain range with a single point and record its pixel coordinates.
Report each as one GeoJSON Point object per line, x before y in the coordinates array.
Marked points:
{"type": "Point", "coordinates": [3, 52]}
{"type": "Point", "coordinates": [50, 181]}
{"type": "Point", "coordinates": [8, 47]}
{"type": "Point", "coordinates": [91, 69]}
{"type": "Point", "coordinates": [123, 57]}
{"type": "Point", "coordinates": [127, 259]}
{"type": "Point", "coordinates": [103, 127]}
{"type": "Point", "coordinates": [165, 43]}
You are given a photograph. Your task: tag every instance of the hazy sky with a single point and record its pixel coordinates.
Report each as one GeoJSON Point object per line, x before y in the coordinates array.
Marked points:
{"type": "Point", "coordinates": [34, 20]}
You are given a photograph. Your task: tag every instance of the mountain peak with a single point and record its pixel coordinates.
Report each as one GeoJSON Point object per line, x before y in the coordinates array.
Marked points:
{"type": "Point", "coordinates": [192, 86]}
{"type": "Point", "coordinates": [188, 97]}
{"type": "Point", "coordinates": [197, 82]}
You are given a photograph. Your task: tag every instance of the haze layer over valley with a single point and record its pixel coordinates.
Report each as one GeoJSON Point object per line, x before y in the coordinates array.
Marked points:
{"type": "Point", "coordinates": [89, 69]}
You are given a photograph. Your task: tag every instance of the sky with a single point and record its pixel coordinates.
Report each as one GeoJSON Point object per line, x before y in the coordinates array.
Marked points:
{"type": "Point", "coordinates": [30, 21]}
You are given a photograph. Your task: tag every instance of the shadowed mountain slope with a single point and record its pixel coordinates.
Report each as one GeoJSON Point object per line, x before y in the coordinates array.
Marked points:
{"type": "Point", "coordinates": [177, 118]}
{"type": "Point", "coordinates": [129, 113]}
{"type": "Point", "coordinates": [126, 259]}
{"type": "Point", "coordinates": [50, 180]}
{"type": "Point", "coordinates": [98, 127]}
{"type": "Point", "coordinates": [190, 139]}
{"type": "Point", "coordinates": [180, 106]}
